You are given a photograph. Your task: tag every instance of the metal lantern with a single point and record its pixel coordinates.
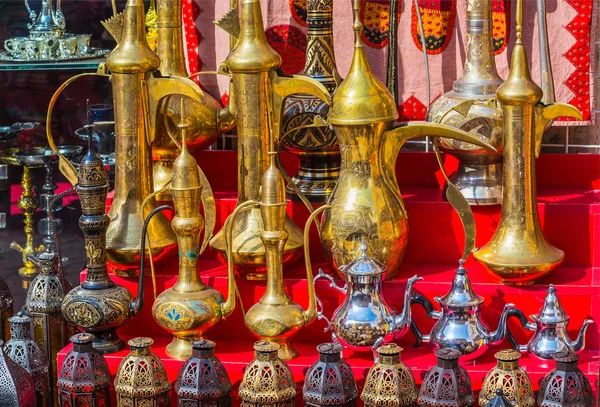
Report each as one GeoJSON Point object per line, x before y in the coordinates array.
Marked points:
{"type": "Point", "coordinates": [6, 309]}
{"type": "Point", "coordinates": [84, 378]}
{"type": "Point", "coordinates": [44, 299]}
{"type": "Point", "coordinates": [500, 400]}
{"type": "Point", "coordinates": [329, 381]}
{"type": "Point", "coordinates": [22, 349]}
{"type": "Point", "coordinates": [446, 384]}
{"type": "Point", "coordinates": [202, 380]}
{"type": "Point", "coordinates": [510, 378]}
{"type": "Point", "coordinates": [141, 379]}
{"type": "Point", "coordinates": [565, 385]}
{"type": "Point", "coordinates": [268, 380]}
{"type": "Point", "coordinates": [390, 383]}
{"type": "Point", "coordinates": [16, 385]}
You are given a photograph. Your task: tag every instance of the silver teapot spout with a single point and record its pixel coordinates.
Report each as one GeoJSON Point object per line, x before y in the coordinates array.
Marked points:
{"type": "Point", "coordinates": [403, 321]}
{"type": "Point", "coordinates": [498, 335]}
{"type": "Point", "coordinates": [579, 343]}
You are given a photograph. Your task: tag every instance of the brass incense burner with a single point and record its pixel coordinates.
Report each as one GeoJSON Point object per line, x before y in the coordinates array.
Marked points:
{"type": "Point", "coordinates": [366, 202]}
{"type": "Point", "coordinates": [259, 91]}
{"type": "Point", "coordinates": [508, 377]}
{"type": "Point", "coordinates": [189, 308]}
{"type": "Point", "coordinates": [518, 253]}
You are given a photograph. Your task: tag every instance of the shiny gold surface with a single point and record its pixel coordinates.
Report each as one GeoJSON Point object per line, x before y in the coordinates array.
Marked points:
{"type": "Point", "coordinates": [479, 176]}
{"type": "Point", "coordinates": [130, 63]}
{"type": "Point", "coordinates": [518, 253]}
{"type": "Point", "coordinates": [367, 202]}
{"type": "Point", "coordinates": [276, 317]}
{"type": "Point", "coordinates": [258, 91]}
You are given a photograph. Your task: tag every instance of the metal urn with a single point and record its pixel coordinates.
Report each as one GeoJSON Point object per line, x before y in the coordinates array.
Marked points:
{"type": "Point", "coordinates": [84, 378]}
{"type": "Point", "coordinates": [275, 316]}
{"type": "Point", "coordinates": [141, 380]}
{"type": "Point", "coordinates": [22, 349]}
{"type": "Point", "coordinates": [258, 95]}
{"type": "Point", "coordinates": [6, 309]}
{"type": "Point", "coordinates": [446, 384]}
{"type": "Point", "coordinates": [17, 388]}
{"type": "Point", "coordinates": [316, 147]}
{"type": "Point", "coordinates": [98, 305]}
{"type": "Point", "coordinates": [460, 324]}
{"type": "Point", "coordinates": [329, 381]}
{"type": "Point", "coordinates": [550, 329]}
{"type": "Point", "coordinates": [190, 308]}
{"type": "Point", "coordinates": [389, 383]}
{"type": "Point", "coordinates": [518, 253]}
{"type": "Point", "coordinates": [508, 377]}
{"type": "Point", "coordinates": [203, 380]}
{"type": "Point", "coordinates": [565, 385]}
{"type": "Point", "coordinates": [468, 107]}
{"type": "Point", "coordinates": [268, 380]}
{"type": "Point", "coordinates": [43, 304]}
{"type": "Point", "coordinates": [366, 202]}
{"type": "Point", "coordinates": [365, 320]}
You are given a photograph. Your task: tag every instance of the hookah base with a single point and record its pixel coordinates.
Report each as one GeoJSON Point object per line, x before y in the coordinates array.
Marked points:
{"type": "Point", "coordinates": [107, 341]}
{"type": "Point", "coordinates": [287, 351]}
{"type": "Point", "coordinates": [179, 349]}
{"type": "Point", "coordinates": [480, 184]}
{"type": "Point", "coordinates": [28, 270]}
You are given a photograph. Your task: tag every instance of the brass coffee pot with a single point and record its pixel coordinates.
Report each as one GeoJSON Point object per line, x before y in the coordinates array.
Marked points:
{"type": "Point", "coordinates": [189, 308]}
{"type": "Point", "coordinates": [259, 89]}
{"type": "Point", "coordinates": [518, 253]}
{"type": "Point", "coordinates": [367, 201]}
{"type": "Point", "coordinates": [206, 119]}
{"type": "Point", "coordinates": [276, 317]}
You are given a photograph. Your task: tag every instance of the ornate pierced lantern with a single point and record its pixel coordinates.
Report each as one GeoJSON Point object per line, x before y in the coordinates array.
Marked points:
{"type": "Point", "coordinates": [16, 385]}
{"type": "Point", "coordinates": [510, 378]}
{"type": "Point", "coordinates": [141, 379]}
{"type": "Point", "coordinates": [446, 384]}
{"type": "Point", "coordinates": [268, 380]}
{"type": "Point", "coordinates": [202, 380]}
{"type": "Point", "coordinates": [390, 383]}
{"type": "Point", "coordinates": [44, 299]}
{"type": "Point", "coordinates": [22, 349]}
{"type": "Point", "coordinates": [6, 309]}
{"type": "Point", "coordinates": [329, 381]}
{"type": "Point", "coordinates": [84, 378]}
{"type": "Point", "coordinates": [500, 400]}
{"type": "Point", "coordinates": [565, 385]}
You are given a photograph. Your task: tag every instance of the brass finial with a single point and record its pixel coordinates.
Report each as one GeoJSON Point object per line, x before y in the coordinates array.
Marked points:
{"type": "Point", "coordinates": [357, 26]}
{"type": "Point", "coordinates": [185, 173]}
{"type": "Point", "coordinates": [519, 22]}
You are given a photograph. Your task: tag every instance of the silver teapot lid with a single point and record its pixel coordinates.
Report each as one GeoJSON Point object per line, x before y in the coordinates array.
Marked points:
{"type": "Point", "coordinates": [461, 294]}
{"type": "Point", "coordinates": [364, 265]}
{"type": "Point", "coordinates": [552, 311]}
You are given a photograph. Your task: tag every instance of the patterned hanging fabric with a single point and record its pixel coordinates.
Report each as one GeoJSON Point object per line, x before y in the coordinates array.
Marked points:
{"type": "Point", "coordinates": [298, 11]}
{"type": "Point", "coordinates": [290, 42]}
{"type": "Point", "coordinates": [375, 16]}
{"type": "Point", "coordinates": [191, 36]}
{"type": "Point", "coordinates": [438, 23]}
{"type": "Point", "coordinates": [500, 24]}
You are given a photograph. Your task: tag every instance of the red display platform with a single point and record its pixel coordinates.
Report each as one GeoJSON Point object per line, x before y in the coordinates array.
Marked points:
{"type": "Point", "coordinates": [569, 205]}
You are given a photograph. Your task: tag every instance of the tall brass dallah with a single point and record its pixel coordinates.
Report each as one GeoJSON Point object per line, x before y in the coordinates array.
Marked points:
{"type": "Point", "coordinates": [130, 64]}
{"type": "Point", "coordinates": [206, 119]}
{"type": "Point", "coordinates": [257, 87]}
{"type": "Point", "coordinates": [190, 308]}
{"type": "Point", "coordinates": [468, 107]}
{"type": "Point", "coordinates": [518, 253]}
{"type": "Point", "coordinates": [276, 317]}
{"type": "Point", "coordinates": [366, 202]}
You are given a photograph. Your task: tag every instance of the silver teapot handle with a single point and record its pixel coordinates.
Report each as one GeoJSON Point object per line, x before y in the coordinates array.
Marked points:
{"type": "Point", "coordinates": [514, 312]}
{"type": "Point", "coordinates": [320, 314]}
{"type": "Point", "coordinates": [32, 14]}
{"type": "Point", "coordinates": [332, 282]}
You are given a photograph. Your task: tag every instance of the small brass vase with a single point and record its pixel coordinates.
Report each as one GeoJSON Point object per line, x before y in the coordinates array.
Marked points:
{"type": "Point", "coordinates": [18, 388]}
{"type": "Point", "coordinates": [510, 378]}
{"type": "Point", "coordinates": [316, 147]}
{"type": "Point", "coordinates": [446, 384]}
{"type": "Point", "coordinates": [389, 382]}
{"type": "Point", "coordinates": [84, 378]}
{"type": "Point", "coordinates": [565, 385]}
{"type": "Point", "coordinates": [141, 379]}
{"type": "Point", "coordinates": [329, 381]}
{"type": "Point", "coordinates": [203, 380]}
{"type": "Point", "coordinates": [22, 349]}
{"type": "Point", "coordinates": [6, 309]}
{"type": "Point", "coordinates": [268, 380]}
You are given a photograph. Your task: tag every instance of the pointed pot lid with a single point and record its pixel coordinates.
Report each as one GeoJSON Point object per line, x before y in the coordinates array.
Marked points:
{"type": "Point", "coordinates": [552, 311]}
{"type": "Point", "coordinates": [461, 294]}
{"type": "Point", "coordinates": [364, 265]}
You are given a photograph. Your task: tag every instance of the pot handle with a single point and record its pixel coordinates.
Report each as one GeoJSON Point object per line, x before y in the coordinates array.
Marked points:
{"type": "Point", "coordinates": [418, 298]}
{"type": "Point", "coordinates": [514, 312]}
{"type": "Point", "coordinates": [320, 314]}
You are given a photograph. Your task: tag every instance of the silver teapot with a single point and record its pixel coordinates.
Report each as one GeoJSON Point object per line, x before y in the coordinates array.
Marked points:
{"type": "Point", "coordinates": [365, 321]}
{"type": "Point", "coordinates": [459, 324]}
{"type": "Point", "coordinates": [550, 327]}
{"type": "Point", "coordinates": [50, 22]}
